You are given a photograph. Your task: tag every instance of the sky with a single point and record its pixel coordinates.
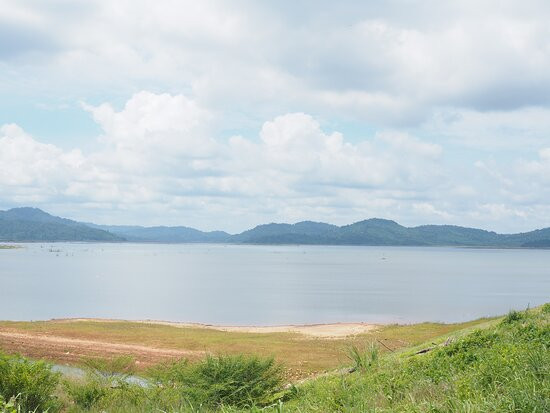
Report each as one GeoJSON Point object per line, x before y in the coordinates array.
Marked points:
{"type": "Point", "coordinates": [222, 115]}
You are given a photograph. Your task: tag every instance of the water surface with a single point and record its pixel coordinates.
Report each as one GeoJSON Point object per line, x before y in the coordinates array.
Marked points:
{"type": "Point", "coordinates": [266, 285]}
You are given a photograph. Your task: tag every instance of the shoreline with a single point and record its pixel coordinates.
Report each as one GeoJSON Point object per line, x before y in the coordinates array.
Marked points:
{"type": "Point", "coordinates": [251, 244]}
{"type": "Point", "coordinates": [318, 330]}
{"type": "Point", "coordinates": [305, 349]}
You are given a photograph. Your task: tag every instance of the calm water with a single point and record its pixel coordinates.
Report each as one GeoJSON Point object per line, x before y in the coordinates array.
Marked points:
{"type": "Point", "coordinates": [228, 284]}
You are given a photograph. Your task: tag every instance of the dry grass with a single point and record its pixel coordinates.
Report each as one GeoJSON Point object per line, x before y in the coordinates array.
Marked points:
{"type": "Point", "coordinates": [302, 355]}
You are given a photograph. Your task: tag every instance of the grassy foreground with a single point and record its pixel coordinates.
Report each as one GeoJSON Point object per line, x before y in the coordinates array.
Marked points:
{"type": "Point", "coordinates": [303, 356]}
{"type": "Point", "coordinates": [505, 368]}
{"type": "Point", "coordinates": [501, 366]}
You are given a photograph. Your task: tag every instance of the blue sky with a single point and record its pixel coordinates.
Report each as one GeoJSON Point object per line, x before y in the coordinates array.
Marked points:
{"type": "Point", "coordinates": [224, 115]}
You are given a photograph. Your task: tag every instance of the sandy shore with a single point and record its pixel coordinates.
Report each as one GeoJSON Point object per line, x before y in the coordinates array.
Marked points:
{"type": "Point", "coordinates": [334, 330]}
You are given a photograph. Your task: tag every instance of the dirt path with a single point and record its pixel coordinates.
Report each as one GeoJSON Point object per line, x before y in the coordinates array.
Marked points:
{"type": "Point", "coordinates": [72, 350]}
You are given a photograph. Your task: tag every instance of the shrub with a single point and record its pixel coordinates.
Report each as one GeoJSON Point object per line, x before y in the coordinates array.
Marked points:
{"type": "Point", "coordinates": [110, 367]}
{"type": "Point", "coordinates": [32, 383]}
{"type": "Point", "coordinates": [87, 393]}
{"type": "Point", "coordinates": [512, 317]}
{"type": "Point", "coordinates": [238, 381]}
{"type": "Point", "coordinates": [102, 377]}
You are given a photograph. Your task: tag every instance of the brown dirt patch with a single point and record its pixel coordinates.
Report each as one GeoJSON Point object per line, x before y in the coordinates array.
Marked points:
{"type": "Point", "coordinates": [71, 350]}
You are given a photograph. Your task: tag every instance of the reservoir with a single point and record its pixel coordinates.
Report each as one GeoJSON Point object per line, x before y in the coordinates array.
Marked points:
{"type": "Point", "coordinates": [268, 285]}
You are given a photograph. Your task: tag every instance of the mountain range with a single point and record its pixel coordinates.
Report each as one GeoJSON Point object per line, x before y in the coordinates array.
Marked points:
{"type": "Point", "coordinates": [33, 224]}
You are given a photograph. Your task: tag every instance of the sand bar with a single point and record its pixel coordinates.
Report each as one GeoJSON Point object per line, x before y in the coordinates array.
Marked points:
{"type": "Point", "coordinates": [331, 330]}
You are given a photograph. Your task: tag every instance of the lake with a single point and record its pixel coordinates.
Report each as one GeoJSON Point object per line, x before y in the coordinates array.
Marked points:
{"type": "Point", "coordinates": [268, 285]}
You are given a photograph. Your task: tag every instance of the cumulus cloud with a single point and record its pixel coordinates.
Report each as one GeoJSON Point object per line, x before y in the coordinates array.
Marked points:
{"type": "Point", "coordinates": [156, 150]}
{"type": "Point", "coordinates": [389, 64]}
{"type": "Point", "coordinates": [158, 156]}
{"type": "Point", "coordinates": [27, 163]}
{"type": "Point", "coordinates": [424, 111]}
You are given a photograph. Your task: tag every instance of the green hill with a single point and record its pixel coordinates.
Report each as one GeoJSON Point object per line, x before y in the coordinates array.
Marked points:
{"type": "Point", "coordinates": [164, 234]}
{"type": "Point", "coordinates": [377, 231]}
{"type": "Point", "coordinates": [32, 224]}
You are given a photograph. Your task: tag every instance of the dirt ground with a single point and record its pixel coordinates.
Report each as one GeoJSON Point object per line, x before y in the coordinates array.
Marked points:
{"type": "Point", "coordinates": [71, 350]}
{"type": "Point", "coordinates": [304, 350]}
{"type": "Point", "coordinates": [327, 331]}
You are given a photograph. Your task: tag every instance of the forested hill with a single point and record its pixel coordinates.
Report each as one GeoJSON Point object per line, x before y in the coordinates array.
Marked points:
{"type": "Point", "coordinates": [385, 232]}
{"type": "Point", "coordinates": [31, 224]}
{"type": "Point", "coordinates": [164, 234]}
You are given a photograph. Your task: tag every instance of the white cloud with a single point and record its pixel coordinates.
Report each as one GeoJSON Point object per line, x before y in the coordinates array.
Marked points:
{"type": "Point", "coordinates": [410, 145]}
{"type": "Point", "coordinates": [158, 156]}
{"type": "Point", "coordinates": [491, 130]}
{"type": "Point", "coordinates": [420, 111]}
{"type": "Point", "coordinates": [25, 162]}
{"type": "Point", "coordinates": [387, 64]}
{"type": "Point", "coordinates": [152, 126]}
{"type": "Point", "coordinates": [156, 150]}
{"type": "Point", "coordinates": [430, 211]}
{"type": "Point", "coordinates": [537, 171]}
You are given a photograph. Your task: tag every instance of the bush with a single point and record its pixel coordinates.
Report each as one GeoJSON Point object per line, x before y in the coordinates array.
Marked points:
{"type": "Point", "coordinates": [87, 393]}
{"type": "Point", "coordinates": [512, 317]}
{"type": "Point", "coordinates": [32, 383]}
{"type": "Point", "coordinates": [238, 381]}
{"type": "Point", "coordinates": [121, 366]}
{"type": "Point", "coordinates": [102, 376]}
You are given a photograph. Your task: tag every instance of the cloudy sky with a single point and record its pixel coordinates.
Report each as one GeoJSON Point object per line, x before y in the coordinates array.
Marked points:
{"type": "Point", "coordinates": [224, 115]}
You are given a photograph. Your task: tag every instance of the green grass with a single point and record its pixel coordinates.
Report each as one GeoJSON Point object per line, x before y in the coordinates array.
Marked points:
{"type": "Point", "coordinates": [502, 368]}
{"type": "Point", "coordinates": [217, 382]}
{"type": "Point", "coordinates": [31, 384]}
{"type": "Point", "coordinates": [498, 365]}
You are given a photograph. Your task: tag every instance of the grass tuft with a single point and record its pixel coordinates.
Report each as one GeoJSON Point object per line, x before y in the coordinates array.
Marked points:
{"type": "Point", "coordinates": [364, 358]}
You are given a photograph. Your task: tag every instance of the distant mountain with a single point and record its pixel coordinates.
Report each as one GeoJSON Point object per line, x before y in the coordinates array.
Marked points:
{"type": "Point", "coordinates": [385, 232]}
{"type": "Point", "coordinates": [543, 243]}
{"type": "Point", "coordinates": [306, 232]}
{"type": "Point", "coordinates": [33, 224]}
{"type": "Point", "coordinates": [164, 234]}
{"type": "Point", "coordinates": [375, 231]}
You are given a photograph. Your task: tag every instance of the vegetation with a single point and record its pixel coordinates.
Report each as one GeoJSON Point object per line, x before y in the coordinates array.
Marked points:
{"type": "Point", "coordinates": [32, 224]}
{"type": "Point", "coordinates": [29, 385]}
{"type": "Point", "coordinates": [502, 367]}
{"type": "Point", "coordinates": [302, 355]}
{"type": "Point", "coordinates": [164, 234]}
{"type": "Point", "coordinates": [238, 382]}
{"type": "Point", "coordinates": [505, 368]}
{"type": "Point", "coordinates": [225, 380]}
